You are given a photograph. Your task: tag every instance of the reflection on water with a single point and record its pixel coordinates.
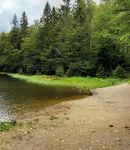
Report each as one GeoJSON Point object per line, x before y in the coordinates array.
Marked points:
{"type": "Point", "coordinates": [17, 97]}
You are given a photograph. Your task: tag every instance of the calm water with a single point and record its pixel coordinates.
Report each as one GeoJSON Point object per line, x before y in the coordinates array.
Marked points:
{"type": "Point", "coordinates": [18, 97]}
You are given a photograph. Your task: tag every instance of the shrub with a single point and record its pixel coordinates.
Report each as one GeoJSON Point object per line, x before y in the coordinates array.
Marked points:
{"type": "Point", "coordinates": [5, 126]}
{"type": "Point", "coordinates": [80, 69]}
{"type": "Point", "coordinates": [38, 72]}
{"type": "Point", "coordinates": [60, 71]}
{"type": "Point", "coordinates": [119, 72]}
{"type": "Point", "coordinates": [70, 72]}
{"type": "Point", "coordinates": [100, 72]}
{"type": "Point", "coordinates": [21, 71]}
{"type": "Point", "coordinates": [30, 70]}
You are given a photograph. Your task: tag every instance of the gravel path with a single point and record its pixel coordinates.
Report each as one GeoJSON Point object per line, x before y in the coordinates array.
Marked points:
{"type": "Point", "coordinates": [99, 122]}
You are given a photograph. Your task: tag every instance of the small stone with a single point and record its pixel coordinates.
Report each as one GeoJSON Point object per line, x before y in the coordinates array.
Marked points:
{"type": "Point", "coordinates": [116, 131]}
{"type": "Point", "coordinates": [28, 132]}
{"type": "Point", "coordinates": [104, 147]}
{"type": "Point", "coordinates": [111, 125]}
{"type": "Point", "coordinates": [127, 127]}
{"type": "Point", "coordinates": [25, 133]}
{"type": "Point", "coordinates": [117, 139]}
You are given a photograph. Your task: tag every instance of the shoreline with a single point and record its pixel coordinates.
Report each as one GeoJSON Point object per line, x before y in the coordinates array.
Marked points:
{"type": "Point", "coordinates": [100, 118]}
{"type": "Point", "coordinates": [77, 82]}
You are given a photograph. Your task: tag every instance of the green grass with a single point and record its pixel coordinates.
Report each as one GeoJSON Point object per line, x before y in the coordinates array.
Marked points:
{"type": "Point", "coordinates": [79, 82]}
{"type": "Point", "coordinates": [5, 126]}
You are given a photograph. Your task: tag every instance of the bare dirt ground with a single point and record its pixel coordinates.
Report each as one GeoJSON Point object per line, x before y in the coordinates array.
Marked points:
{"type": "Point", "coordinates": [101, 121]}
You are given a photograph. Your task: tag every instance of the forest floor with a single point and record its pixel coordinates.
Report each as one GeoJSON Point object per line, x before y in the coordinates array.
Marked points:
{"type": "Point", "coordinates": [101, 121]}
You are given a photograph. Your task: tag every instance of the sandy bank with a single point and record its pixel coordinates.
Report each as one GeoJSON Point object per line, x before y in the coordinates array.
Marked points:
{"type": "Point", "coordinates": [101, 121]}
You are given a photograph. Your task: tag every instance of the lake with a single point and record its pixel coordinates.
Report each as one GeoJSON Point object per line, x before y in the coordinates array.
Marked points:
{"type": "Point", "coordinates": [18, 97]}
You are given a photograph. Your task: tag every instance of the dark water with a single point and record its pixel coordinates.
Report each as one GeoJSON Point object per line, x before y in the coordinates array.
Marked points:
{"type": "Point", "coordinates": [18, 97]}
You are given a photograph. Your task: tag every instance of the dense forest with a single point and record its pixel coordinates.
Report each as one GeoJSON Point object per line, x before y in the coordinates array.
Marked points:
{"type": "Point", "coordinates": [83, 39]}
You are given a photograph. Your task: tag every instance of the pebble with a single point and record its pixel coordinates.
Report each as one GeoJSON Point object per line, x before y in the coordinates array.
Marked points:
{"type": "Point", "coordinates": [111, 125]}
{"type": "Point", "coordinates": [117, 139]}
{"type": "Point", "coordinates": [104, 147]}
{"type": "Point", "coordinates": [127, 127]}
{"type": "Point", "coordinates": [116, 131]}
{"type": "Point", "coordinates": [28, 132]}
{"type": "Point", "coordinates": [25, 133]}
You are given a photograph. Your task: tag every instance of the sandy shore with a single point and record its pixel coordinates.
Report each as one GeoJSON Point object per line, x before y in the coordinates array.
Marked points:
{"type": "Point", "coordinates": [101, 121]}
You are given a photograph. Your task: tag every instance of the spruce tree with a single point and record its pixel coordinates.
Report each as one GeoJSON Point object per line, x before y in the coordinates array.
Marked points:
{"type": "Point", "coordinates": [66, 7]}
{"type": "Point", "coordinates": [23, 25]}
{"type": "Point", "coordinates": [46, 17]}
{"type": "Point", "coordinates": [54, 15]}
{"type": "Point", "coordinates": [14, 34]}
{"type": "Point", "coordinates": [80, 11]}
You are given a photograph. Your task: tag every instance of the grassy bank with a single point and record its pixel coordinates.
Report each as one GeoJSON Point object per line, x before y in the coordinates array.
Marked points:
{"type": "Point", "coordinates": [79, 82]}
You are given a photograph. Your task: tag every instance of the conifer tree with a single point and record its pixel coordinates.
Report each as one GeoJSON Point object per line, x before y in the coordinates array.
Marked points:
{"type": "Point", "coordinates": [23, 25]}
{"type": "Point", "coordinates": [46, 17]}
{"type": "Point", "coordinates": [80, 11]}
{"type": "Point", "coordinates": [66, 7]}
{"type": "Point", "coordinates": [14, 34]}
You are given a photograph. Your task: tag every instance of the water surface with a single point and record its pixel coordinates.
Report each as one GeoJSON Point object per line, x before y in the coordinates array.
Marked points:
{"type": "Point", "coordinates": [18, 97]}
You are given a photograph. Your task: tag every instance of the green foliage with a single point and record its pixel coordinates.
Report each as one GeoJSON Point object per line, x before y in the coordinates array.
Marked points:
{"type": "Point", "coordinates": [82, 39]}
{"type": "Point", "coordinates": [14, 33]}
{"type": "Point", "coordinates": [119, 72]}
{"type": "Point", "coordinates": [23, 25]}
{"type": "Point", "coordinates": [5, 126]}
{"type": "Point", "coordinates": [60, 71]}
{"type": "Point", "coordinates": [21, 71]}
{"type": "Point", "coordinates": [101, 72]}
{"type": "Point", "coordinates": [80, 69]}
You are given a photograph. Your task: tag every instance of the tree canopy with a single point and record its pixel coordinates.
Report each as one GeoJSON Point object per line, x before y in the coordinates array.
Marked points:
{"type": "Point", "coordinates": [83, 39]}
